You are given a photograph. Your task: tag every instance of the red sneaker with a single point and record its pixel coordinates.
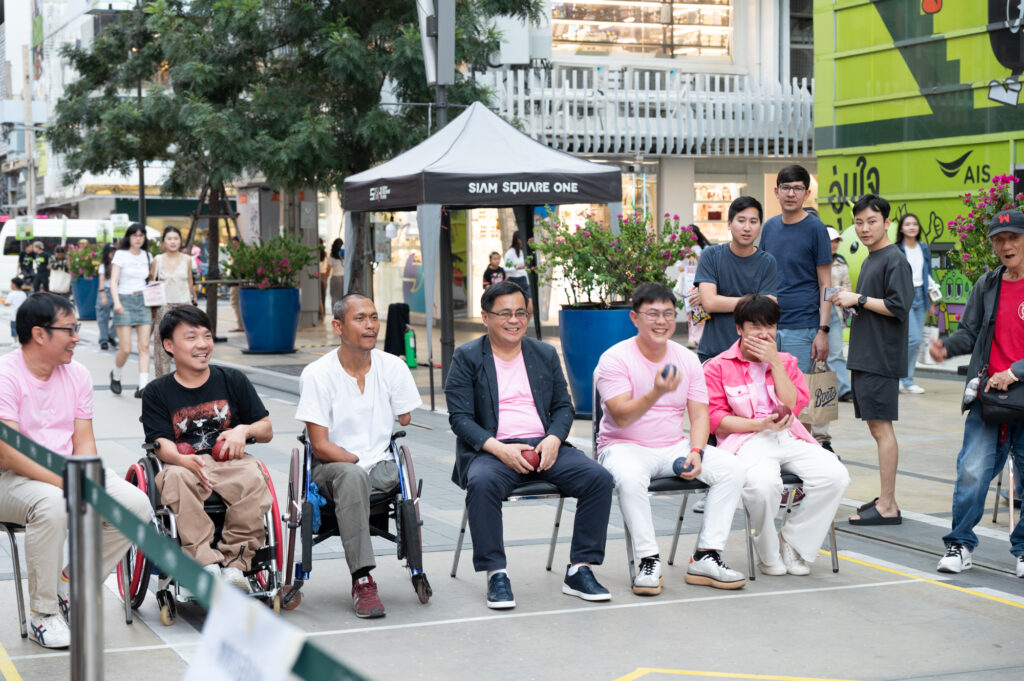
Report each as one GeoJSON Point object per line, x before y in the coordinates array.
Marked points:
{"type": "Point", "coordinates": [365, 599]}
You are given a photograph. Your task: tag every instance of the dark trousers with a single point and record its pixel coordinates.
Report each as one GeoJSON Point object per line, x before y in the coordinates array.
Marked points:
{"type": "Point", "coordinates": [489, 481]}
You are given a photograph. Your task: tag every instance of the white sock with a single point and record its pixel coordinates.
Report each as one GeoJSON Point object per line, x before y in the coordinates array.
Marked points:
{"type": "Point", "coordinates": [117, 372]}
{"type": "Point", "coordinates": [491, 573]}
{"type": "Point", "coordinates": [573, 569]}
{"type": "Point", "coordinates": [143, 379]}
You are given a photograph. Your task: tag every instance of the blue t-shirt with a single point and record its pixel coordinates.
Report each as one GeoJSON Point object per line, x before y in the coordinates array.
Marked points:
{"type": "Point", "coordinates": [798, 249]}
{"type": "Point", "coordinates": [733, 276]}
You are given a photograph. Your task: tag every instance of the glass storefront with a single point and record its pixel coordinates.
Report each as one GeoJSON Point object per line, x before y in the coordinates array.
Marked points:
{"type": "Point", "coordinates": [653, 27]}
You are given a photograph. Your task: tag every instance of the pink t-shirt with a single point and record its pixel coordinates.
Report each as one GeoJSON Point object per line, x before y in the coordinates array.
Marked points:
{"type": "Point", "coordinates": [517, 413]}
{"type": "Point", "coordinates": [45, 411]}
{"type": "Point", "coordinates": [759, 389]}
{"type": "Point", "coordinates": [622, 369]}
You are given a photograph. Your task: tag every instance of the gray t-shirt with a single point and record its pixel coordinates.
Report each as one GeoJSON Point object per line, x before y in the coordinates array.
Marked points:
{"type": "Point", "coordinates": [733, 276]}
{"type": "Point", "coordinates": [878, 343]}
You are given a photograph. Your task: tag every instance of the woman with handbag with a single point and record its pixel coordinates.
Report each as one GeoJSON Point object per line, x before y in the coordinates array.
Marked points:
{"type": "Point", "coordinates": [920, 259]}
{"type": "Point", "coordinates": [60, 273]}
{"type": "Point", "coordinates": [173, 269]}
{"type": "Point", "coordinates": [992, 330]}
{"type": "Point", "coordinates": [129, 270]}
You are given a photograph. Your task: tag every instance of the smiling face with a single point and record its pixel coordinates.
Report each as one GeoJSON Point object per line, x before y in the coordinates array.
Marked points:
{"type": "Point", "coordinates": [655, 322]}
{"type": "Point", "coordinates": [758, 330]}
{"type": "Point", "coordinates": [57, 343]}
{"type": "Point", "coordinates": [506, 322]}
{"type": "Point", "coordinates": [745, 227]}
{"type": "Point", "coordinates": [359, 327]}
{"type": "Point", "coordinates": [192, 347]}
{"type": "Point", "coordinates": [872, 228]}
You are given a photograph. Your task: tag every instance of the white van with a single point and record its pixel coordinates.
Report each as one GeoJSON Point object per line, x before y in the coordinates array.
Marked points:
{"type": "Point", "coordinates": [52, 232]}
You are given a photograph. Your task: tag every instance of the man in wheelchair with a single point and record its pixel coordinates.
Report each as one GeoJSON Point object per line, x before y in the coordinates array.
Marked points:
{"type": "Point", "coordinates": [200, 417]}
{"type": "Point", "coordinates": [349, 400]}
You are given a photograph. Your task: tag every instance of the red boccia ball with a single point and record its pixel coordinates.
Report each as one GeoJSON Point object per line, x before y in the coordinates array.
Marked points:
{"type": "Point", "coordinates": [185, 449]}
{"type": "Point", "coordinates": [532, 457]}
{"type": "Point", "coordinates": [218, 451]}
{"type": "Point", "coordinates": [782, 411]}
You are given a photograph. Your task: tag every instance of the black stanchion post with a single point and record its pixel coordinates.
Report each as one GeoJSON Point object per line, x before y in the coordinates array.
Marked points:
{"type": "Point", "coordinates": [86, 545]}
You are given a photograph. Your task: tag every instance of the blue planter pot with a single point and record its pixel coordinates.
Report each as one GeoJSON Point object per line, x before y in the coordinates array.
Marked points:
{"type": "Point", "coordinates": [585, 335]}
{"type": "Point", "coordinates": [271, 318]}
{"type": "Point", "coordinates": [84, 290]}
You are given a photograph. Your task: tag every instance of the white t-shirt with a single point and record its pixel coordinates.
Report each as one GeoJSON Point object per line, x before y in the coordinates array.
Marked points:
{"type": "Point", "coordinates": [515, 264]}
{"type": "Point", "coordinates": [358, 422]}
{"type": "Point", "coordinates": [134, 271]}
{"type": "Point", "coordinates": [915, 256]}
{"type": "Point", "coordinates": [14, 300]}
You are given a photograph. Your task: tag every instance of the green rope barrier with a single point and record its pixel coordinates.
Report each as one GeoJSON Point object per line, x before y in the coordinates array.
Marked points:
{"type": "Point", "coordinates": [313, 664]}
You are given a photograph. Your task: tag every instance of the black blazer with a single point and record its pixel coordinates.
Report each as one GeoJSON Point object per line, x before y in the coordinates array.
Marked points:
{"type": "Point", "coordinates": [472, 395]}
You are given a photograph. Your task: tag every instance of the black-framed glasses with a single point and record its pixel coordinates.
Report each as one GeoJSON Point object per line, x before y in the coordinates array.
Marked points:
{"type": "Point", "coordinates": [505, 315]}
{"type": "Point", "coordinates": [72, 330]}
{"type": "Point", "coordinates": [792, 188]}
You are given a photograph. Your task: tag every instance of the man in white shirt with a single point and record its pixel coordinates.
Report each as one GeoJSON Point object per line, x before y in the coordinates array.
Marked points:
{"type": "Point", "coordinates": [349, 400]}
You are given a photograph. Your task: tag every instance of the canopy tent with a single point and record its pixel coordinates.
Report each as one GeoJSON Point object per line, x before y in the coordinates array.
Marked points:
{"type": "Point", "coordinates": [477, 160]}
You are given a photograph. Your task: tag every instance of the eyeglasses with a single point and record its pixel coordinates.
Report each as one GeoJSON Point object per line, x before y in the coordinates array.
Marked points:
{"type": "Point", "coordinates": [792, 188]}
{"type": "Point", "coordinates": [654, 315]}
{"type": "Point", "coordinates": [72, 330]}
{"type": "Point", "coordinates": [505, 315]}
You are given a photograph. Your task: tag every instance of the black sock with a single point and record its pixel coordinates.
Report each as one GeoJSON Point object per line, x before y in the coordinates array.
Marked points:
{"type": "Point", "coordinates": [360, 573]}
{"type": "Point", "coordinates": [700, 555]}
{"type": "Point", "coordinates": [654, 556]}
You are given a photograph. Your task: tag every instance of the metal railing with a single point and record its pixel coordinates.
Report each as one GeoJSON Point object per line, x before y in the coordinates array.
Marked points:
{"type": "Point", "coordinates": [597, 110]}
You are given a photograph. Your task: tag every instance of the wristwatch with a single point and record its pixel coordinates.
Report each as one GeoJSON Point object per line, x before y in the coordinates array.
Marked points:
{"type": "Point", "coordinates": [862, 301]}
{"type": "Point", "coordinates": [824, 327]}
{"type": "Point", "coordinates": [700, 452]}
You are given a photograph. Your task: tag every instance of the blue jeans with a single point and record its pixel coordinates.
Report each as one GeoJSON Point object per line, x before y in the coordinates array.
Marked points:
{"type": "Point", "coordinates": [978, 463]}
{"type": "Point", "coordinates": [915, 330]}
{"type": "Point", "coordinates": [103, 313]}
{"type": "Point", "coordinates": [836, 359]}
{"type": "Point", "coordinates": [797, 342]}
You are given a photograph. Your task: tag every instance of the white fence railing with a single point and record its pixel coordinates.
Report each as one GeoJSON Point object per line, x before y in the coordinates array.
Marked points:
{"type": "Point", "coordinates": [596, 110]}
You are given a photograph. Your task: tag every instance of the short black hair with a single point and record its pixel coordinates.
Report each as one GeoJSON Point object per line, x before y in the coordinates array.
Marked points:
{"type": "Point", "coordinates": [756, 308]}
{"type": "Point", "coordinates": [651, 292]}
{"type": "Point", "coordinates": [341, 307]}
{"type": "Point", "coordinates": [874, 202]}
{"type": "Point", "coordinates": [793, 173]}
{"type": "Point", "coordinates": [17, 283]}
{"type": "Point", "coordinates": [182, 314]}
{"type": "Point", "coordinates": [502, 288]}
{"type": "Point", "coordinates": [40, 309]}
{"type": "Point", "coordinates": [742, 203]}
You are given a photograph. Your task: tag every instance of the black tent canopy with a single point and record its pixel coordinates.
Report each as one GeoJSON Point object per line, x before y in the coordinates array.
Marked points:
{"type": "Point", "coordinates": [477, 160]}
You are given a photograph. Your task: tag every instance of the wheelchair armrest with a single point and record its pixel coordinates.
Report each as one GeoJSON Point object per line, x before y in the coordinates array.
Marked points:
{"type": "Point", "coordinates": [301, 437]}
{"type": "Point", "coordinates": [397, 435]}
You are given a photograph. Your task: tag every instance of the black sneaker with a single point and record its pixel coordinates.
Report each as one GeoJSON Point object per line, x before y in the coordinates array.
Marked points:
{"type": "Point", "coordinates": [584, 585]}
{"type": "Point", "coordinates": [499, 592]}
{"type": "Point", "coordinates": [115, 385]}
{"type": "Point", "coordinates": [827, 444]}
{"type": "Point", "coordinates": [104, 345]}
{"type": "Point", "coordinates": [138, 393]}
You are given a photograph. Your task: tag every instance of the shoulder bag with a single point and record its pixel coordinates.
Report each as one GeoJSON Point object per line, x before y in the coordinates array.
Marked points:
{"type": "Point", "coordinates": [998, 406]}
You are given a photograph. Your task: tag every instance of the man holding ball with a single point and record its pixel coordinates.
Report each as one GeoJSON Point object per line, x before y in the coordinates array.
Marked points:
{"type": "Point", "coordinates": [755, 394]}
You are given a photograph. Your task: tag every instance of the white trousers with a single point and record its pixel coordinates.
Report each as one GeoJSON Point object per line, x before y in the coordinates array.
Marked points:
{"type": "Point", "coordinates": [633, 466]}
{"type": "Point", "coordinates": [41, 508]}
{"type": "Point", "coordinates": [764, 456]}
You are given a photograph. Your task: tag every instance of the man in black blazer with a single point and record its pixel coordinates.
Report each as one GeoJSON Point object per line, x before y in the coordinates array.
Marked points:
{"type": "Point", "coordinates": [506, 394]}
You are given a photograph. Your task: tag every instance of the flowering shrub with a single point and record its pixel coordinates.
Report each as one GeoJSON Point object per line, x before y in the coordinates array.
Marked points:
{"type": "Point", "coordinates": [972, 253]}
{"type": "Point", "coordinates": [275, 264]}
{"type": "Point", "coordinates": [600, 267]}
{"type": "Point", "coordinates": [84, 261]}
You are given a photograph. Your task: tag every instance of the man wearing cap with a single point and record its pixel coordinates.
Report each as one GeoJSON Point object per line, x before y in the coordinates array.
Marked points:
{"type": "Point", "coordinates": [836, 359]}
{"type": "Point", "coordinates": [997, 299]}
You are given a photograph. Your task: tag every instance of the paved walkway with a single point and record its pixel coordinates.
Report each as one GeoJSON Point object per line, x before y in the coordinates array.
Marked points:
{"type": "Point", "coordinates": [886, 615]}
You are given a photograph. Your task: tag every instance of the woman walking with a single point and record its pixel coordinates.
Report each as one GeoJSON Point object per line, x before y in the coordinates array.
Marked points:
{"type": "Point", "coordinates": [129, 270]}
{"type": "Point", "coordinates": [920, 259]}
{"type": "Point", "coordinates": [104, 303]}
{"type": "Point", "coordinates": [336, 270]}
{"type": "Point", "coordinates": [174, 269]}
{"type": "Point", "coordinates": [515, 266]}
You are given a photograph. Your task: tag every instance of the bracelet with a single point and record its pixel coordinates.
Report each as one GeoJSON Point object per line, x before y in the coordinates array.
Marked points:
{"type": "Point", "coordinates": [699, 451]}
{"type": "Point", "coordinates": [1012, 375]}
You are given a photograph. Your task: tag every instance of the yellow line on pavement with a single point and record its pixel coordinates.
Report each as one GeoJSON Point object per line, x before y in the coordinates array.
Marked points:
{"type": "Point", "coordinates": [644, 671]}
{"type": "Point", "coordinates": [936, 582]}
{"type": "Point", "coordinates": [7, 667]}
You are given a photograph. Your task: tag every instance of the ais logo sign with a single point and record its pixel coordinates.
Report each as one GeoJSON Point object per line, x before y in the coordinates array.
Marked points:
{"type": "Point", "coordinates": [972, 174]}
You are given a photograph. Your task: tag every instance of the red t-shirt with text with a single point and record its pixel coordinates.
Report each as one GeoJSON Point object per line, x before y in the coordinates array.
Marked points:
{"type": "Point", "coordinates": [1008, 345]}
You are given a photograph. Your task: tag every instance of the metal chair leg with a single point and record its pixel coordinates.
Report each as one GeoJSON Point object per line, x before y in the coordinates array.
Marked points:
{"type": "Point", "coordinates": [751, 572]}
{"type": "Point", "coordinates": [17, 581]}
{"type": "Point", "coordinates": [630, 558]}
{"type": "Point", "coordinates": [126, 588]}
{"type": "Point", "coordinates": [462, 536]}
{"type": "Point", "coordinates": [835, 548]}
{"type": "Point", "coordinates": [554, 532]}
{"type": "Point", "coordinates": [679, 528]}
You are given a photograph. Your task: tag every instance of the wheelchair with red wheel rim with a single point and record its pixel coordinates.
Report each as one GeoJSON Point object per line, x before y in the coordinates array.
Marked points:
{"type": "Point", "coordinates": [400, 505]}
{"type": "Point", "coordinates": [264, 575]}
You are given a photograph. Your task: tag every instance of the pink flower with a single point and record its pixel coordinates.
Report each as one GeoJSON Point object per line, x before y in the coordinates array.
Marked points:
{"type": "Point", "coordinates": [675, 217]}
{"type": "Point", "coordinates": [261, 271]}
{"type": "Point", "coordinates": [586, 233]}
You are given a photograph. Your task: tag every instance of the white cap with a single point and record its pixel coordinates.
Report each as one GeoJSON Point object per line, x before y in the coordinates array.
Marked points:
{"type": "Point", "coordinates": [833, 234]}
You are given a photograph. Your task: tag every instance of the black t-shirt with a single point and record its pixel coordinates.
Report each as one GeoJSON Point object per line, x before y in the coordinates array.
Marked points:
{"type": "Point", "coordinates": [198, 415]}
{"type": "Point", "coordinates": [493, 275]}
{"type": "Point", "coordinates": [878, 343]}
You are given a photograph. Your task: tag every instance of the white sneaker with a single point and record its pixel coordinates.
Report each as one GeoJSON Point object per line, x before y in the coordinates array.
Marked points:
{"type": "Point", "coordinates": [1020, 566]}
{"type": "Point", "coordinates": [64, 598]}
{"type": "Point", "coordinates": [234, 577]}
{"type": "Point", "coordinates": [648, 581]}
{"type": "Point", "coordinates": [711, 571]}
{"type": "Point", "coordinates": [912, 389]}
{"type": "Point", "coordinates": [49, 631]}
{"type": "Point", "coordinates": [772, 569]}
{"type": "Point", "coordinates": [795, 565]}
{"type": "Point", "coordinates": [958, 559]}
{"type": "Point", "coordinates": [699, 506]}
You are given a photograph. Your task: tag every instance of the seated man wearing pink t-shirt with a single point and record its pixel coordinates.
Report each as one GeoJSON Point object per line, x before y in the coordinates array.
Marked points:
{"type": "Point", "coordinates": [647, 384]}
{"type": "Point", "coordinates": [48, 397]}
{"type": "Point", "coordinates": [755, 394]}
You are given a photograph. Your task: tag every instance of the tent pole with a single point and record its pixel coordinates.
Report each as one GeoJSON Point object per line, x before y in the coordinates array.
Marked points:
{"type": "Point", "coordinates": [524, 223]}
{"type": "Point", "coordinates": [447, 298]}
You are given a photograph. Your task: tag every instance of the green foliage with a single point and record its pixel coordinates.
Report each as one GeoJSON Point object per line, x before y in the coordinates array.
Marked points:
{"type": "Point", "coordinates": [84, 261]}
{"type": "Point", "coordinates": [287, 90]}
{"type": "Point", "coordinates": [275, 264]}
{"type": "Point", "coordinates": [599, 266]}
{"type": "Point", "coordinates": [972, 253]}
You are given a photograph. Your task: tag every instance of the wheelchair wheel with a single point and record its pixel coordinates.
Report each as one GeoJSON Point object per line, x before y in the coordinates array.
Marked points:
{"type": "Point", "coordinates": [268, 574]}
{"type": "Point", "coordinates": [168, 614]}
{"type": "Point", "coordinates": [422, 587]}
{"type": "Point", "coordinates": [139, 567]}
{"type": "Point", "coordinates": [294, 510]}
{"type": "Point", "coordinates": [277, 603]}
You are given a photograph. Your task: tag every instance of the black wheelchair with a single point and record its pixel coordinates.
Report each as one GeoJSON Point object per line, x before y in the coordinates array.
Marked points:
{"type": "Point", "coordinates": [401, 505]}
{"type": "Point", "coordinates": [264, 575]}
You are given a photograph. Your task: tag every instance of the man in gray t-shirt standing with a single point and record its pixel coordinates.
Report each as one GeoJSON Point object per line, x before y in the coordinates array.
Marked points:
{"type": "Point", "coordinates": [878, 347]}
{"type": "Point", "coordinates": [727, 272]}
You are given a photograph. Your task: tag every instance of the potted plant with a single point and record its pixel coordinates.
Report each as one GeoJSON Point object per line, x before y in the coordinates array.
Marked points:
{"type": "Point", "coordinates": [600, 268]}
{"type": "Point", "coordinates": [84, 263]}
{"type": "Point", "coordinates": [270, 299]}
